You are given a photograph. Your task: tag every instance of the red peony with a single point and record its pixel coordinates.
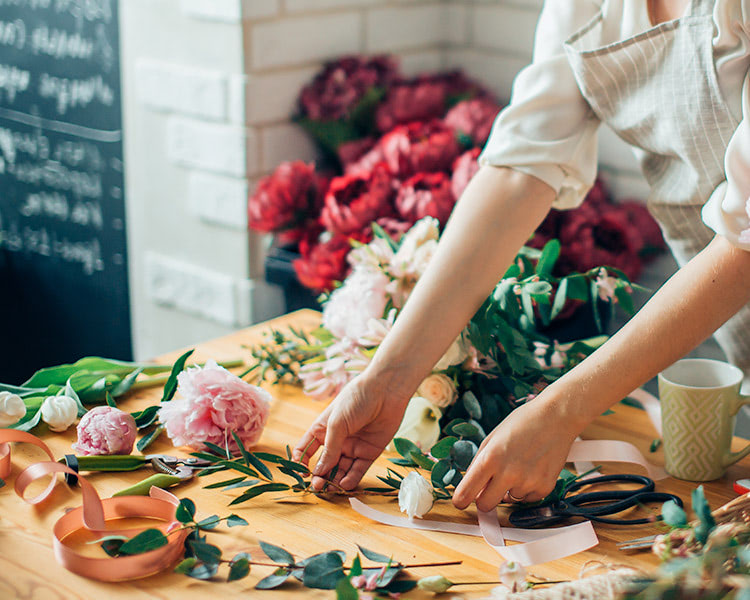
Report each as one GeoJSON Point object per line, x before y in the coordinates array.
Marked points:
{"type": "Point", "coordinates": [350, 152]}
{"type": "Point", "coordinates": [464, 168]}
{"type": "Point", "coordinates": [342, 83]}
{"type": "Point", "coordinates": [473, 118]}
{"type": "Point", "coordinates": [426, 195]}
{"type": "Point", "coordinates": [321, 264]}
{"type": "Point", "coordinates": [413, 100]}
{"type": "Point", "coordinates": [419, 147]}
{"type": "Point", "coordinates": [458, 86]}
{"type": "Point", "coordinates": [354, 201]}
{"type": "Point", "coordinates": [286, 198]}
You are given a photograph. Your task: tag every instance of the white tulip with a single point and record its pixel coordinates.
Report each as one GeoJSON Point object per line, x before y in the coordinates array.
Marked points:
{"type": "Point", "coordinates": [420, 425]}
{"type": "Point", "coordinates": [59, 412]}
{"type": "Point", "coordinates": [415, 496]}
{"type": "Point", "coordinates": [12, 409]}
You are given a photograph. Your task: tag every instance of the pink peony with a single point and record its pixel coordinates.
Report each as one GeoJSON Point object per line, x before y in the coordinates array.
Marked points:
{"type": "Point", "coordinates": [473, 118]}
{"type": "Point", "coordinates": [214, 404]}
{"type": "Point", "coordinates": [362, 297]}
{"type": "Point", "coordinates": [464, 168]}
{"type": "Point", "coordinates": [105, 430]}
{"type": "Point", "coordinates": [426, 195]}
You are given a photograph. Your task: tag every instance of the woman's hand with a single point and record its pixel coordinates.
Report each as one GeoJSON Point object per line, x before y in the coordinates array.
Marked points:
{"type": "Point", "coordinates": [521, 458]}
{"type": "Point", "coordinates": [353, 430]}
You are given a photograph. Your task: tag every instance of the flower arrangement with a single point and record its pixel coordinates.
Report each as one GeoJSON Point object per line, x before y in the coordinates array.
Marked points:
{"type": "Point", "coordinates": [397, 149]}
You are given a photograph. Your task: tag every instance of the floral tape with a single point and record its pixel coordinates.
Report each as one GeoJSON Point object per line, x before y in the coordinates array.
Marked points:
{"type": "Point", "coordinates": [93, 515]}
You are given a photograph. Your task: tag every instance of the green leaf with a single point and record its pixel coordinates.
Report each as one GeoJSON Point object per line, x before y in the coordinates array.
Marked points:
{"type": "Point", "coordinates": [262, 469]}
{"type": "Point", "coordinates": [384, 579]}
{"type": "Point", "coordinates": [274, 580]}
{"type": "Point", "coordinates": [560, 298]}
{"type": "Point", "coordinates": [147, 540]}
{"type": "Point", "coordinates": [443, 448]}
{"type": "Point", "coordinates": [236, 521]}
{"type": "Point", "coordinates": [345, 590]}
{"type": "Point", "coordinates": [124, 386]}
{"type": "Point", "coordinates": [241, 484]}
{"type": "Point", "coordinates": [243, 451]}
{"type": "Point", "coordinates": [111, 544]}
{"type": "Point", "coordinates": [528, 306]}
{"type": "Point", "coordinates": [595, 306]}
{"type": "Point", "coordinates": [110, 400]}
{"type": "Point", "coordinates": [218, 450]}
{"type": "Point", "coordinates": [703, 512]}
{"type": "Point", "coordinates": [258, 490]}
{"type": "Point", "coordinates": [466, 429]}
{"type": "Point", "coordinates": [31, 419]}
{"type": "Point", "coordinates": [186, 565]}
{"type": "Point", "coordinates": [655, 443]}
{"type": "Point", "coordinates": [239, 569]}
{"type": "Point", "coordinates": [147, 416]}
{"type": "Point", "coordinates": [185, 512]}
{"type": "Point", "coordinates": [423, 461]}
{"type": "Point", "coordinates": [221, 484]}
{"type": "Point", "coordinates": [548, 258]}
{"type": "Point", "coordinates": [401, 586]}
{"type": "Point", "coordinates": [147, 439]}
{"type": "Point", "coordinates": [673, 515]}
{"type": "Point", "coordinates": [237, 466]}
{"type": "Point", "coordinates": [203, 571]}
{"type": "Point", "coordinates": [463, 452]}
{"type": "Point", "coordinates": [209, 522]}
{"type": "Point", "coordinates": [439, 471]}
{"type": "Point", "coordinates": [356, 568]}
{"type": "Point", "coordinates": [374, 556]}
{"type": "Point", "coordinates": [471, 404]}
{"type": "Point", "coordinates": [538, 288]}
{"type": "Point", "coordinates": [208, 553]}
{"type": "Point", "coordinates": [625, 299]}
{"type": "Point", "coordinates": [406, 448]}
{"type": "Point", "coordinates": [276, 553]}
{"type": "Point", "coordinates": [323, 571]}
{"type": "Point", "coordinates": [170, 387]}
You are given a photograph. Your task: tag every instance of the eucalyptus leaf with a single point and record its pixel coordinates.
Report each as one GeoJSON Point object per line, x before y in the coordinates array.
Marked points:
{"type": "Point", "coordinates": [702, 510]}
{"type": "Point", "coordinates": [186, 565]}
{"type": "Point", "coordinates": [207, 553]}
{"type": "Point", "coordinates": [439, 471]}
{"type": "Point", "coordinates": [406, 448]}
{"type": "Point", "coordinates": [442, 449]}
{"type": "Point", "coordinates": [238, 569]}
{"type": "Point", "coordinates": [472, 405]}
{"type": "Point", "coordinates": [374, 556]}
{"type": "Point", "coordinates": [236, 521]}
{"type": "Point", "coordinates": [323, 571]}
{"type": "Point", "coordinates": [466, 429]}
{"type": "Point", "coordinates": [274, 580]}
{"type": "Point", "coordinates": [147, 540]}
{"type": "Point", "coordinates": [276, 553]}
{"type": "Point", "coordinates": [463, 453]}
{"type": "Point", "coordinates": [203, 571]}
{"type": "Point", "coordinates": [209, 522]}
{"type": "Point", "coordinates": [673, 515]}
{"type": "Point", "coordinates": [185, 512]}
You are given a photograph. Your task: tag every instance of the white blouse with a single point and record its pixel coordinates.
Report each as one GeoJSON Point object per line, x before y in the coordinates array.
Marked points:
{"type": "Point", "coordinates": [549, 131]}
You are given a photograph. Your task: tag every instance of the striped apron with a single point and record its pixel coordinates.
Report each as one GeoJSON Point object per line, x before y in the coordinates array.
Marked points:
{"type": "Point", "coordinates": [659, 92]}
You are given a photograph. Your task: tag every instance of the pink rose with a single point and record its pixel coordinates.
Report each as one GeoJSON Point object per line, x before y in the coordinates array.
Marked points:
{"type": "Point", "coordinates": [105, 430]}
{"type": "Point", "coordinates": [473, 118]}
{"type": "Point", "coordinates": [214, 404]}
{"type": "Point", "coordinates": [426, 195]}
{"type": "Point", "coordinates": [413, 100]}
{"type": "Point", "coordinates": [464, 168]}
{"type": "Point", "coordinates": [419, 147]}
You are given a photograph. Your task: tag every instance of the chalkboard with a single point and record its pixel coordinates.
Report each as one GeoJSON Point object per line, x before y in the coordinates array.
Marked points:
{"type": "Point", "coordinates": [63, 261]}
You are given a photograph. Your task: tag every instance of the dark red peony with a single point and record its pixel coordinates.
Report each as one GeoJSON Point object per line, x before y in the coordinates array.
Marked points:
{"type": "Point", "coordinates": [350, 152]}
{"type": "Point", "coordinates": [354, 201]}
{"type": "Point", "coordinates": [412, 100]}
{"type": "Point", "coordinates": [342, 83]}
{"type": "Point", "coordinates": [473, 119]}
{"type": "Point", "coordinates": [464, 168]}
{"type": "Point", "coordinates": [286, 199]}
{"type": "Point", "coordinates": [457, 86]}
{"type": "Point", "coordinates": [426, 195]}
{"type": "Point", "coordinates": [321, 264]}
{"type": "Point", "coordinates": [419, 147]}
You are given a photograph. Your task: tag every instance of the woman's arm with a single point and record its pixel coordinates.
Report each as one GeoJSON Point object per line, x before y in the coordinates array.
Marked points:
{"type": "Point", "coordinates": [525, 453]}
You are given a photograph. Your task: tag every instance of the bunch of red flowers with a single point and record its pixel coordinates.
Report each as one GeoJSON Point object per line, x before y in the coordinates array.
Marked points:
{"type": "Point", "coordinates": [400, 149]}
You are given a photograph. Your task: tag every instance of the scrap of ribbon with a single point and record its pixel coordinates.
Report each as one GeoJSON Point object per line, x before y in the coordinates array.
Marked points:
{"type": "Point", "coordinates": [93, 515]}
{"type": "Point", "coordinates": [546, 544]}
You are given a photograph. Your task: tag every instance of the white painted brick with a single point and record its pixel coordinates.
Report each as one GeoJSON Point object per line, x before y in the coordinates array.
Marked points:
{"type": "Point", "coordinates": [304, 40]}
{"type": "Point", "coordinates": [400, 28]}
{"type": "Point", "coordinates": [506, 28]}
{"type": "Point", "coordinates": [257, 9]}
{"type": "Point", "coordinates": [218, 200]}
{"type": "Point", "coordinates": [237, 99]}
{"type": "Point", "coordinates": [457, 23]}
{"type": "Point", "coordinates": [175, 88]}
{"type": "Point", "coordinates": [414, 63]}
{"type": "Point", "coordinates": [228, 11]}
{"type": "Point", "coordinates": [258, 301]}
{"type": "Point", "coordinates": [194, 290]}
{"type": "Point", "coordinates": [285, 142]}
{"type": "Point", "coordinates": [293, 6]}
{"type": "Point", "coordinates": [497, 71]}
{"type": "Point", "coordinates": [211, 146]}
{"type": "Point", "coordinates": [273, 97]}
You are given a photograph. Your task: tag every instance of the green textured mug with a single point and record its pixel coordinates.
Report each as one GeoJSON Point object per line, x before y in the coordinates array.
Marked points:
{"type": "Point", "coordinates": [699, 402]}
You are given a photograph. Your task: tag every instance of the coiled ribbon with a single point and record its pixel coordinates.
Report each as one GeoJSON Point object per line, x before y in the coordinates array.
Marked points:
{"type": "Point", "coordinates": [93, 515]}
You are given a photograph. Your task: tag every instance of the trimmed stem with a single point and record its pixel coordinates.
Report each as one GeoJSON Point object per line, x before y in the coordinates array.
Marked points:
{"type": "Point", "coordinates": [160, 379]}
{"type": "Point", "coordinates": [393, 565]}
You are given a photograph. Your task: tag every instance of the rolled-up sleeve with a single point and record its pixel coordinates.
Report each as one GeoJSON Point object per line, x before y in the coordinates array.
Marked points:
{"type": "Point", "coordinates": [548, 130]}
{"type": "Point", "coordinates": [727, 211]}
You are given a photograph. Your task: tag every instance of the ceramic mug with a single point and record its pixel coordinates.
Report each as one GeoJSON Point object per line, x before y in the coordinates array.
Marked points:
{"type": "Point", "coordinates": [699, 402]}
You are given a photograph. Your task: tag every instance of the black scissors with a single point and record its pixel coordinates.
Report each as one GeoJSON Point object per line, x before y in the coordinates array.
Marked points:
{"type": "Point", "coordinates": [593, 505]}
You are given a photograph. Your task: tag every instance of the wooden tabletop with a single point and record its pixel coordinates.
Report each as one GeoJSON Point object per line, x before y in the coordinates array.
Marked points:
{"type": "Point", "coordinates": [303, 525]}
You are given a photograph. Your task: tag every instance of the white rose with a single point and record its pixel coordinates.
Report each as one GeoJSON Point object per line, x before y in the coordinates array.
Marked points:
{"type": "Point", "coordinates": [12, 409]}
{"type": "Point", "coordinates": [59, 412]}
{"type": "Point", "coordinates": [421, 424]}
{"type": "Point", "coordinates": [415, 496]}
{"type": "Point", "coordinates": [438, 389]}
{"type": "Point", "coordinates": [454, 355]}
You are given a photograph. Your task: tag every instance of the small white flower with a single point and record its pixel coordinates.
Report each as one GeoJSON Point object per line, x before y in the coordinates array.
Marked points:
{"type": "Point", "coordinates": [12, 409]}
{"type": "Point", "coordinates": [415, 496]}
{"type": "Point", "coordinates": [59, 412]}
{"type": "Point", "coordinates": [437, 584]}
{"type": "Point", "coordinates": [439, 389]}
{"type": "Point", "coordinates": [454, 355]}
{"type": "Point", "coordinates": [513, 576]}
{"type": "Point", "coordinates": [421, 423]}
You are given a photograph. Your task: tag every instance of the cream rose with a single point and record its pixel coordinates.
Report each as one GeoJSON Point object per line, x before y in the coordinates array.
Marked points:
{"type": "Point", "coordinates": [59, 412]}
{"type": "Point", "coordinates": [12, 409]}
{"type": "Point", "coordinates": [415, 496]}
{"type": "Point", "coordinates": [438, 389]}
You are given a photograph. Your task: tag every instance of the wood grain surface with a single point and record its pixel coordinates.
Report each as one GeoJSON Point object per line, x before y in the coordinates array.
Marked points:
{"type": "Point", "coordinates": [304, 525]}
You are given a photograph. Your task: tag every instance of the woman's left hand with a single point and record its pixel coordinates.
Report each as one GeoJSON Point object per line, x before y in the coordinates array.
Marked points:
{"type": "Point", "coordinates": [520, 460]}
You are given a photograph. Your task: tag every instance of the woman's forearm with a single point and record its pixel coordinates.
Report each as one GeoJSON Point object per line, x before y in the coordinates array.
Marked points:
{"type": "Point", "coordinates": [496, 215]}
{"type": "Point", "coordinates": [687, 309]}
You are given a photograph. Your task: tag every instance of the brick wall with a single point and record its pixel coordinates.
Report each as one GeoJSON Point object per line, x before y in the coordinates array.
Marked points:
{"type": "Point", "coordinates": [209, 87]}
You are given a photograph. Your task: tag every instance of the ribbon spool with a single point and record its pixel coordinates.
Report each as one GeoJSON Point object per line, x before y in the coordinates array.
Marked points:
{"type": "Point", "coordinates": [93, 515]}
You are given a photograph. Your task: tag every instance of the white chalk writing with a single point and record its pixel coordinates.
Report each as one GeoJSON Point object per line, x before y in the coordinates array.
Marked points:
{"type": "Point", "coordinates": [13, 81]}
{"type": "Point", "coordinates": [74, 93]}
{"type": "Point", "coordinates": [13, 34]}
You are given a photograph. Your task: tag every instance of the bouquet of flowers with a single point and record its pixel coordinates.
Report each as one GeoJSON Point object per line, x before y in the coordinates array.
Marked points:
{"type": "Point", "coordinates": [502, 359]}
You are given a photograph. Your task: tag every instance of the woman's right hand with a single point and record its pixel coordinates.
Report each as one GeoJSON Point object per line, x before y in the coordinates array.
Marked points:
{"type": "Point", "coordinates": [353, 430]}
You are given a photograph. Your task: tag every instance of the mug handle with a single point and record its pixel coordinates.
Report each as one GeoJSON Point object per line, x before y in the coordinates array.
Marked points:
{"type": "Point", "coordinates": [733, 457]}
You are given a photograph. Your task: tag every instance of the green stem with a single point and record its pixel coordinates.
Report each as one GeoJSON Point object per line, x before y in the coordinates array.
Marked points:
{"type": "Point", "coordinates": [159, 379]}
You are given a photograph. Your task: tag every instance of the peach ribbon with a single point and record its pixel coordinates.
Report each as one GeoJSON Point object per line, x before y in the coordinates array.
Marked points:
{"type": "Point", "coordinates": [93, 515]}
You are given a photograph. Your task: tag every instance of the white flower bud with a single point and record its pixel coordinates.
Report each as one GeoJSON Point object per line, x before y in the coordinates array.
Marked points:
{"type": "Point", "coordinates": [12, 409]}
{"type": "Point", "coordinates": [415, 496]}
{"type": "Point", "coordinates": [513, 576]}
{"type": "Point", "coordinates": [437, 584]}
{"type": "Point", "coordinates": [59, 412]}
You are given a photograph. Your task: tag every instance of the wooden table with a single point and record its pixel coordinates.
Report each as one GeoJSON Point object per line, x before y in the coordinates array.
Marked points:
{"type": "Point", "coordinates": [303, 525]}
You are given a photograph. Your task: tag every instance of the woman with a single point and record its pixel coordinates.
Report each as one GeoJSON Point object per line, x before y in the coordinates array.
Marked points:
{"type": "Point", "coordinates": [670, 77]}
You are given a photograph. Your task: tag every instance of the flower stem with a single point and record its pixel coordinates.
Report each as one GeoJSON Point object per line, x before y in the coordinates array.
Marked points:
{"type": "Point", "coordinates": [159, 379]}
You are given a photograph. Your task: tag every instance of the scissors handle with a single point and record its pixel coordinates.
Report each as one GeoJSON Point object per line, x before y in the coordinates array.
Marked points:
{"type": "Point", "coordinates": [594, 513]}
